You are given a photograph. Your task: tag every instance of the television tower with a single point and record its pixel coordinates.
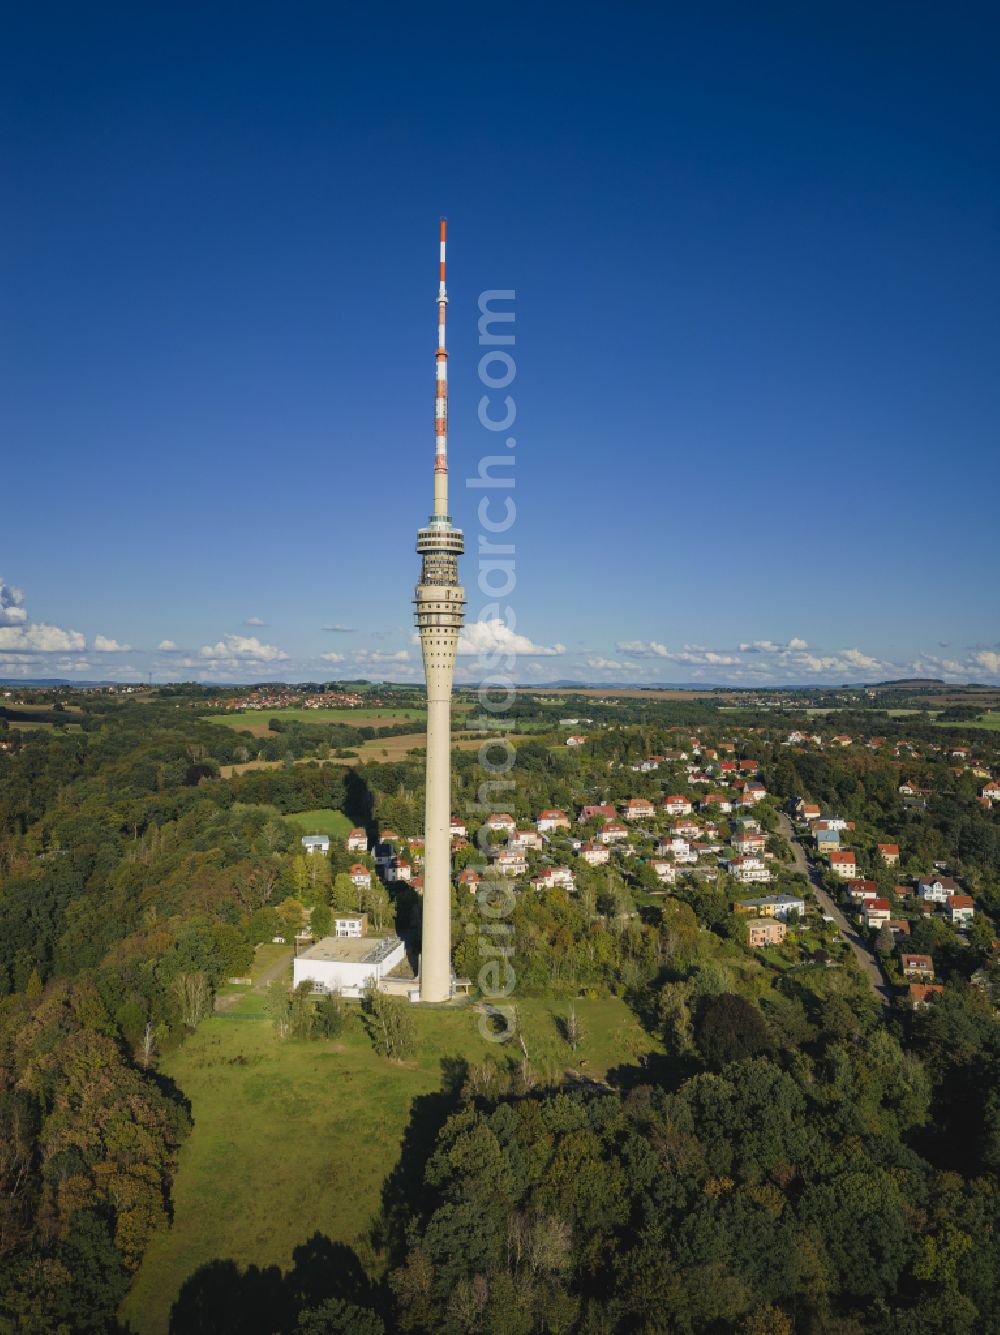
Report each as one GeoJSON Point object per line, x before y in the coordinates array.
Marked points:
{"type": "Point", "coordinates": [440, 602]}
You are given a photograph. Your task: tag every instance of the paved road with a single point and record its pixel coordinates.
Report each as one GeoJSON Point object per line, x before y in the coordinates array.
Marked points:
{"type": "Point", "coordinates": [863, 952]}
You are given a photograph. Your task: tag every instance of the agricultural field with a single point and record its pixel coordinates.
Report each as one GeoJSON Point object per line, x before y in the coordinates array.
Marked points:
{"type": "Point", "coordinates": [990, 721]}
{"type": "Point", "coordinates": [256, 721]}
{"type": "Point", "coordinates": [295, 1136]}
{"type": "Point", "coordinates": [27, 717]}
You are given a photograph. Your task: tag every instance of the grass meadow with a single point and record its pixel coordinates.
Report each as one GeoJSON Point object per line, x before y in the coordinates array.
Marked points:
{"type": "Point", "coordinates": [323, 820]}
{"type": "Point", "coordinates": [297, 1136]}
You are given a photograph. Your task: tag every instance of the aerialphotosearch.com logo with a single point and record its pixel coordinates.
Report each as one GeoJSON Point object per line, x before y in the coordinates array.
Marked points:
{"type": "Point", "coordinates": [496, 582]}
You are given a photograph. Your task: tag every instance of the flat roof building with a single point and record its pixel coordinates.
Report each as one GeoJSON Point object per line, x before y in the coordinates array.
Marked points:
{"type": "Point", "coordinates": [346, 964]}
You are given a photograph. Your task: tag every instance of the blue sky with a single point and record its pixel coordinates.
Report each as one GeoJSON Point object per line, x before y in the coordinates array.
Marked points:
{"type": "Point", "coordinates": [755, 252]}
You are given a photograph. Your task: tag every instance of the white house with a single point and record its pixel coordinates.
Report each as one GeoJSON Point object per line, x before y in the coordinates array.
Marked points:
{"type": "Point", "coordinates": [510, 862]}
{"type": "Point", "coordinates": [595, 854]}
{"type": "Point", "coordinates": [361, 876]}
{"type": "Point", "coordinates": [937, 889]}
{"type": "Point", "coordinates": [749, 870]}
{"type": "Point", "coordinates": [316, 843]}
{"type": "Point", "coordinates": [552, 820]}
{"type": "Point", "coordinates": [961, 910]}
{"type": "Point", "coordinates": [357, 841]}
{"type": "Point", "coordinates": [521, 840]}
{"type": "Point", "coordinates": [346, 964]}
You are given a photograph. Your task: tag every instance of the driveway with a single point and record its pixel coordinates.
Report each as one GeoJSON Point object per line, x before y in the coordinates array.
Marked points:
{"type": "Point", "coordinates": [860, 946]}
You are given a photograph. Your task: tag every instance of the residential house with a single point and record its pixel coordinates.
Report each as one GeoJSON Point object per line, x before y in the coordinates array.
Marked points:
{"type": "Point", "coordinates": [525, 839]}
{"type": "Point", "coordinates": [638, 808]}
{"type": "Point", "coordinates": [675, 805]}
{"type": "Point", "coordinates": [716, 802]}
{"type": "Point", "coordinates": [552, 820]}
{"type": "Point", "coordinates": [316, 843]}
{"type": "Point", "coordinates": [501, 823]}
{"type": "Point", "coordinates": [748, 843]}
{"type": "Point", "coordinates": [552, 877]}
{"type": "Point", "coordinates": [862, 890]}
{"type": "Point", "coordinates": [603, 810]}
{"type": "Point", "coordinates": [575, 741]}
{"type": "Point", "coordinates": [960, 910]}
{"type": "Point", "coordinates": [612, 833]}
{"type": "Point", "coordinates": [772, 906]}
{"type": "Point", "coordinates": [920, 994]}
{"type": "Point", "coordinates": [749, 870]}
{"type": "Point", "coordinates": [510, 862]}
{"type": "Point", "coordinates": [920, 968]}
{"type": "Point", "coordinates": [937, 889]}
{"type": "Point", "coordinates": [357, 841]}
{"type": "Point", "coordinates": [458, 829]}
{"type": "Point", "coordinates": [842, 864]}
{"type": "Point", "coordinates": [665, 870]}
{"type": "Point", "coordinates": [877, 912]}
{"type": "Point", "coordinates": [361, 876]}
{"type": "Point", "coordinates": [350, 924]}
{"type": "Point", "coordinates": [468, 880]}
{"type": "Point", "coordinates": [765, 932]}
{"type": "Point", "coordinates": [595, 855]}
{"type": "Point", "coordinates": [889, 853]}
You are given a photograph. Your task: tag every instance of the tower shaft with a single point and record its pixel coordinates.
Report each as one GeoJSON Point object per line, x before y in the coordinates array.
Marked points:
{"type": "Point", "coordinates": [440, 602]}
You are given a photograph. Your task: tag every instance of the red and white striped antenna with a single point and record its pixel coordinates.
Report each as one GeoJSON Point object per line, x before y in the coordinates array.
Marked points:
{"type": "Point", "coordinates": [441, 395]}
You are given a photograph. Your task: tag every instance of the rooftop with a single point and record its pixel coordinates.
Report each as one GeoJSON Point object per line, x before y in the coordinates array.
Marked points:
{"type": "Point", "coordinates": [352, 949]}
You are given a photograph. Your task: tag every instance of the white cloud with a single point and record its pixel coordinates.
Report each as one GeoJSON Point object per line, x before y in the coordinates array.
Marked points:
{"type": "Point", "coordinates": [104, 645]}
{"type": "Point", "coordinates": [167, 647]}
{"type": "Point", "coordinates": [40, 638]}
{"type": "Point", "coordinates": [254, 621]}
{"type": "Point", "coordinates": [341, 630]}
{"type": "Point", "coordinates": [859, 660]}
{"type": "Point", "coordinates": [235, 648]}
{"type": "Point", "coordinates": [11, 611]}
{"type": "Point", "coordinates": [640, 649]}
{"type": "Point", "coordinates": [604, 664]}
{"type": "Point", "coordinates": [987, 659]}
{"type": "Point", "coordinates": [332, 658]}
{"type": "Point", "coordinates": [382, 655]}
{"type": "Point", "coordinates": [495, 637]}
{"type": "Point", "coordinates": [691, 654]}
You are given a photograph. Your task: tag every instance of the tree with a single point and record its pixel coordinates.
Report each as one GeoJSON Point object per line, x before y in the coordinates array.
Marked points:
{"type": "Point", "coordinates": [278, 1003]}
{"type": "Point", "coordinates": [330, 1016]}
{"type": "Point", "coordinates": [390, 1024]}
{"type": "Point", "coordinates": [194, 997]}
{"type": "Point", "coordinates": [729, 1028]}
{"type": "Point", "coordinates": [335, 1316]}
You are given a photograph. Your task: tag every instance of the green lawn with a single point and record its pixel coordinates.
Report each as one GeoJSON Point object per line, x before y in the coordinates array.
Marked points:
{"type": "Point", "coordinates": [293, 1137]}
{"type": "Point", "coordinates": [324, 820]}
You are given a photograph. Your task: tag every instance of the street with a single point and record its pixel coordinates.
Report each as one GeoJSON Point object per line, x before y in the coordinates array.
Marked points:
{"type": "Point", "coordinates": [863, 952]}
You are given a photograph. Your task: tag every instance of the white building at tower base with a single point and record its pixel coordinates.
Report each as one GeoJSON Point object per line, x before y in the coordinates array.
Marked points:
{"type": "Point", "coordinates": [346, 964]}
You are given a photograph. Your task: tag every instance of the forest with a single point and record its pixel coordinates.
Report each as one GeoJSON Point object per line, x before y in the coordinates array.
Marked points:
{"type": "Point", "coordinates": [790, 1159]}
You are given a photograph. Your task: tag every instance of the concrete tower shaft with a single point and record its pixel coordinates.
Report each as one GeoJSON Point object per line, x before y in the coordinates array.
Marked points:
{"type": "Point", "coordinates": [440, 603]}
